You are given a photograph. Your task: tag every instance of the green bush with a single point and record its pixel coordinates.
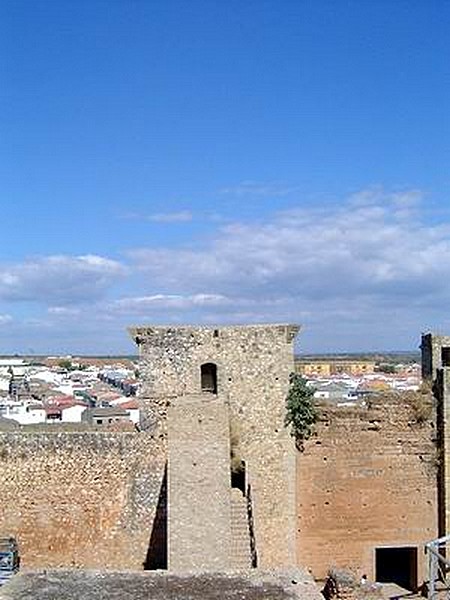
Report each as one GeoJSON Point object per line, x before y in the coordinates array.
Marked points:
{"type": "Point", "coordinates": [301, 412]}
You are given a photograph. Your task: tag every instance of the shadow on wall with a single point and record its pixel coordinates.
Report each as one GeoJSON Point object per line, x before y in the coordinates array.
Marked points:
{"type": "Point", "coordinates": [157, 549]}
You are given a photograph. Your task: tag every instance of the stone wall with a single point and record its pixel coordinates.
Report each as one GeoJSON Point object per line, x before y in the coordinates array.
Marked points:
{"type": "Point", "coordinates": [432, 347]}
{"type": "Point", "coordinates": [253, 367]}
{"type": "Point", "coordinates": [436, 371]}
{"type": "Point", "coordinates": [80, 499]}
{"type": "Point", "coordinates": [199, 484]}
{"type": "Point", "coordinates": [441, 388]}
{"type": "Point", "coordinates": [367, 479]}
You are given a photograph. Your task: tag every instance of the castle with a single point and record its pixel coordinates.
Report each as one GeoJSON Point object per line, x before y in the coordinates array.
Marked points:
{"type": "Point", "coordinates": [214, 482]}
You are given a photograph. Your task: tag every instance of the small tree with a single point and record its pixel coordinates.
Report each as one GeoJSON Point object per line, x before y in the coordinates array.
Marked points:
{"type": "Point", "coordinates": [65, 363]}
{"type": "Point", "coordinates": [387, 368]}
{"type": "Point", "coordinates": [301, 413]}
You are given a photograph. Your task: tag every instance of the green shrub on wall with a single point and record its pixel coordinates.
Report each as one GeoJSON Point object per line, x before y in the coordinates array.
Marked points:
{"type": "Point", "coordinates": [301, 413]}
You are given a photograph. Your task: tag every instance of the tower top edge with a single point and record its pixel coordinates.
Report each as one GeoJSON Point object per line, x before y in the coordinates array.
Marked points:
{"type": "Point", "coordinates": [142, 330]}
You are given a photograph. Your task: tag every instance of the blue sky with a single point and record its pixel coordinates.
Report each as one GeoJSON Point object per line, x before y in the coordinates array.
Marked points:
{"type": "Point", "coordinates": [224, 162]}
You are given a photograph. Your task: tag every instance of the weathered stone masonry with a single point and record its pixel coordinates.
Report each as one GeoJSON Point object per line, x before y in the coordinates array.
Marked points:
{"type": "Point", "coordinates": [199, 485]}
{"type": "Point", "coordinates": [80, 499]}
{"type": "Point", "coordinates": [436, 371]}
{"type": "Point", "coordinates": [253, 365]}
{"type": "Point", "coordinates": [366, 480]}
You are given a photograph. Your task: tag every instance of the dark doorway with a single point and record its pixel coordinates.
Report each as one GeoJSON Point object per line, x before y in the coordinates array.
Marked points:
{"type": "Point", "coordinates": [445, 356]}
{"type": "Point", "coordinates": [397, 565]}
{"type": "Point", "coordinates": [238, 477]}
{"type": "Point", "coordinates": [209, 378]}
{"type": "Point", "coordinates": [157, 549]}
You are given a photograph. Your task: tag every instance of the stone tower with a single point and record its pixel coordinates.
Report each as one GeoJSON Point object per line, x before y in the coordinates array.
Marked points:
{"type": "Point", "coordinates": [435, 354]}
{"type": "Point", "coordinates": [436, 371]}
{"type": "Point", "coordinates": [246, 369]}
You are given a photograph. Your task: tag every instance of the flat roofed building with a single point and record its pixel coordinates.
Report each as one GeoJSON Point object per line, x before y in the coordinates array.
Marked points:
{"type": "Point", "coordinates": [105, 415]}
{"type": "Point", "coordinates": [325, 368]}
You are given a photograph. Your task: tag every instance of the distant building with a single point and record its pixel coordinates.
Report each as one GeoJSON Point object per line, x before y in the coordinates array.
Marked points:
{"type": "Point", "coordinates": [106, 415]}
{"type": "Point", "coordinates": [324, 368]}
{"type": "Point", "coordinates": [12, 362]}
{"type": "Point", "coordinates": [72, 413]}
{"type": "Point", "coordinates": [25, 414]}
{"type": "Point", "coordinates": [18, 385]}
{"type": "Point", "coordinates": [132, 407]}
{"type": "Point", "coordinates": [332, 391]}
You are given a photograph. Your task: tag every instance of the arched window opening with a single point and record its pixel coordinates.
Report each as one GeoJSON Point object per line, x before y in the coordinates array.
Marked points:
{"type": "Point", "coordinates": [209, 378]}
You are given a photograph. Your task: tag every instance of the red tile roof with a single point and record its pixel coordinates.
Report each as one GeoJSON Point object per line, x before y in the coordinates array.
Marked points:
{"type": "Point", "coordinates": [130, 404]}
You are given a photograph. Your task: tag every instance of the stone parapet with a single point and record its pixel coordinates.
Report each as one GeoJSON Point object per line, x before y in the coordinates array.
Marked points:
{"type": "Point", "coordinates": [80, 499]}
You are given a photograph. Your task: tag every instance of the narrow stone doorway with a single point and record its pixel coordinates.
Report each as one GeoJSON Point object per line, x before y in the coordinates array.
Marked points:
{"type": "Point", "coordinates": [209, 378]}
{"type": "Point", "coordinates": [238, 479]}
{"type": "Point", "coordinates": [397, 565]}
{"type": "Point", "coordinates": [445, 356]}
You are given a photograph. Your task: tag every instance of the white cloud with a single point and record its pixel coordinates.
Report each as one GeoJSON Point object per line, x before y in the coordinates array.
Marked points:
{"type": "Point", "coordinates": [181, 216]}
{"type": "Point", "coordinates": [63, 311]}
{"type": "Point", "coordinates": [403, 203]}
{"type": "Point", "coordinates": [260, 188]}
{"type": "Point", "coordinates": [353, 262]}
{"type": "Point", "coordinates": [5, 319]}
{"type": "Point", "coordinates": [156, 302]}
{"type": "Point", "coordinates": [59, 279]}
{"type": "Point", "coordinates": [368, 273]}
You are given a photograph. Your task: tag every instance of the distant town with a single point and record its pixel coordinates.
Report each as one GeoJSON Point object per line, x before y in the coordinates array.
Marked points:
{"type": "Point", "coordinates": [88, 392]}
{"type": "Point", "coordinates": [99, 392]}
{"type": "Point", "coordinates": [349, 379]}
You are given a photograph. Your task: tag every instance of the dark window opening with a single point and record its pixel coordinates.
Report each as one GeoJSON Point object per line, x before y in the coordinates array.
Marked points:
{"type": "Point", "coordinates": [216, 333]}
{"type": "Point", "coordinates": [397, 565]}
{"type": "Point", "coordinates": [238, 477]}
{"type": "Point", "coordinates": [209, 378]}
{"type": "Point", "coordinates": [445, 357]}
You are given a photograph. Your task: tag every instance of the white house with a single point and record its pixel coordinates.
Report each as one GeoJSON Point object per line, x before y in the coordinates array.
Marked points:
{"type": "Point", "coordinates": [25, 414]}
{"type": "Point", "coordinates": [132, 407]}
{"type": "Point", "coordinates": [72, 413]}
